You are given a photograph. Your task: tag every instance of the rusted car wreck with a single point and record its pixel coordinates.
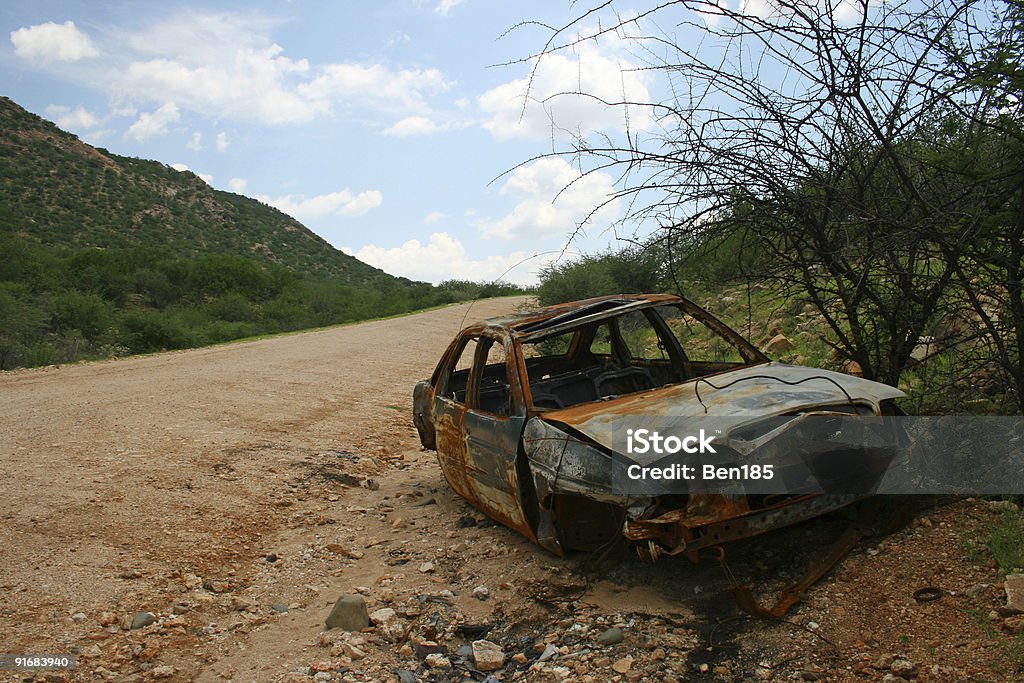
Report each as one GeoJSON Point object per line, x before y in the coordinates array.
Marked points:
{"type": "Point", "coordinates": [520, 409]}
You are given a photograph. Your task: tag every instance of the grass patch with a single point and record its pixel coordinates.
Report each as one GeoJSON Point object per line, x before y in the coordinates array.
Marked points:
{"type": "Point", "coordinates": [1002, 540]}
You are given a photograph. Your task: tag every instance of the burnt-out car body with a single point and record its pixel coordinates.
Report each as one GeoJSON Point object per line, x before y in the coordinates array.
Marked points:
{"type": "Point", "coordinates": [522, 412]}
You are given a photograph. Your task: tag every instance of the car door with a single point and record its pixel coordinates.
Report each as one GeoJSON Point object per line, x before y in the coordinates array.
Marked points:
{"type": "Point", "coordinates": [479, 416]}
{"type": "Point", "coordinates": [493, 426]}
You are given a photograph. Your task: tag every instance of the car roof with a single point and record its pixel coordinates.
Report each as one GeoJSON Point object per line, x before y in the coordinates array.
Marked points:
{"type": "Point", "coordinates": [552, 318]}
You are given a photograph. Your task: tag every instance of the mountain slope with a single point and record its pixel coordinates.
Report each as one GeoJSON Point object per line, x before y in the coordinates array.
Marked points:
{"type": "Point", "coordinates": [57, 190]}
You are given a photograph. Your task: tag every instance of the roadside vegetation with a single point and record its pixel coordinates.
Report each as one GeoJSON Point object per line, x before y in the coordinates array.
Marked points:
{"type": "Point", "coordinates": [941, 377]}
{"type": "Point", "coordinates": [62, 305]}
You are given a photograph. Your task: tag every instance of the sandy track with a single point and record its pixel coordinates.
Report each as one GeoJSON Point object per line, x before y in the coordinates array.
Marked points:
{"type": "Point", "coordinates": [118, 478]}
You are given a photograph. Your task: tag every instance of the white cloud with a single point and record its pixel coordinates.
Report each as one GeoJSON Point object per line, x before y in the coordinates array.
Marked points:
{"type": "Point", "coordinates": [53, 42]}
{"type": "Point", "coordinates": [847, 12]}
{"type": "Point", "coordinates": [124, 110]}
{"type": "Point", "coordinates": [433, 217]}
{"type": "Point", "coordinates": [446, 6]}
{"type": "Point", "coordinates": [444, 257]}
{"type": "Point", "coordinates": [238, 185]}
{"type": "Point", "coordinates": [227, 65]}
{"type": "Point", "coordinates": [555, 100]}
{"type": "Point", "coordinates": [76, 119]}
{"type": "Point", "coordinates": [398, 38]}
{"type": "Point", "coordinates": [245, 83]}
{"type": "Point", "coordinates": [375, 85]}
{"type": "Point", "coordinates": [206, 178]}
{"type": "Point", "coordinates": [341, 203]}
{"type": "Point", "coordinates": [196, 143]}
{"type": "Point", "coordinates": [155, 123]}
{"type": "Point", "coordinates": [414, 125]}
{"type": "Point", "coordinates": [554, 198]}
{"type": "Point", "coordinates": [222, 142]}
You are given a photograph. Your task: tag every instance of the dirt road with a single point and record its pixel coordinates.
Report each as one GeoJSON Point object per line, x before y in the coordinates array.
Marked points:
{"type": "Point", "coordinates": [233, 493]}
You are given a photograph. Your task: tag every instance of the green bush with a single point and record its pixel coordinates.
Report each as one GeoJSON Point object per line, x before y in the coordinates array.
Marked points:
{"type": "Point", "coordinates": [88, 313]}
{"type": "Point", "coordinates": [629, 271]}
{"type": "Point", "coordinates": [147, 331]}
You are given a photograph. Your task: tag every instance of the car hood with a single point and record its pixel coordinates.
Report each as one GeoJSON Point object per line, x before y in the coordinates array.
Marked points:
{"type": "Point", "coordinates": [758, 391]}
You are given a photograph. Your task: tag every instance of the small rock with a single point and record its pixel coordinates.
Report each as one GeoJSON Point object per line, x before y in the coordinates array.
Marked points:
{"type": "Point", "coordinates": [107, 618]}
{"type": "Point", "coordinates": [180, 608]}
{"type": "Point", "coordinates": [322, 676]}
{"type": "Point", "coordinates": [1002, 506]}
{"type": "Point", "coordinates": [142, 620]}
{"type": "Point", "coordinates": [161, 671]}
{"type": "Point", "coordinates": [903, 668]}
{"type": "Point", "coordinates": [481, 593]}
{"type": "Point", "coordinates": [547, 653]}
{"type": "Point", "coordinates": [349, 614]}
{"type": "Point", "coordinates": [383, 615]}
{"type": "Point", "coordinates": [488, 656]}
{"type": "Point", "coordinates": [623, 665]}
{"type": "Point", "coordinates": [427, 567]}
{"type": "Point", "coordinates": [78, 617]}
{"type": "Point", "coordinates": [240, 604]}
{"type": "Point", "coordinates": [976, 590]}
{"type": "Point", "coordinates": [1013, 625]}
{"type": "Point", "coordinates": [91, 651]}
{"type": "Point", "coordinates": [612, 636]}
{"type": "Point", "coordinates": [1014, 587]}
{"type": "Point", "coordinates": [279, 608]}
{"type": "Point", "coordinates": [406, 676]}
{"type": "Point", "coordinates": [387, 622]}
{"type": "Point", "coordinates": [891, 678]}
{"type": "Point", "coordinates": [436, 660]}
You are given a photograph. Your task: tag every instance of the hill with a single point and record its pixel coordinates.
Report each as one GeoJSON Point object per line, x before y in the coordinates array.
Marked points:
{"type": "Point", "coordinates": [57, 190]}
{"type": "Point", "coordinates": [105, 255]}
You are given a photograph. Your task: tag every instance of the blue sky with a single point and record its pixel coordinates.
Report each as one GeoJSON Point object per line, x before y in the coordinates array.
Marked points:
{"type": "Point", "coordinates": [385, 126]}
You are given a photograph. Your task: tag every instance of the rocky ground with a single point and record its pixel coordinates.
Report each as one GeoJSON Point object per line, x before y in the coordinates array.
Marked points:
{"type": "Point", "coordinates": [197, 515]}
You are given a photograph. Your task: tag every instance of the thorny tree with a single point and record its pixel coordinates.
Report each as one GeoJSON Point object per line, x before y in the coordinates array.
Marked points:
{"type": "Point", "coordinates": [847, 141]}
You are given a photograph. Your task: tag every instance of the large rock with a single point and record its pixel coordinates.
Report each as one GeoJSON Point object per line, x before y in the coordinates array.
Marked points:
{"type": "Point", "coordinates": [349, 614]}
{"type": "Point", "coordinates": [924, 349]}
{"type": "Point", "coordinates": [488, 656]}
{"type": "Point", "coordinates": [612, 636]}
{"type": "Point", "coordinates": [142, 620]}
{"type": "Point", "coordinates": [1015, 592]}
{"type": "Point", "coordinates": [778, 344]}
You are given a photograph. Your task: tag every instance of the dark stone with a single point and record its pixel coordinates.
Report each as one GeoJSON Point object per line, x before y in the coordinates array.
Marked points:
{"type": "Point", "coordinates": [349, 614]}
